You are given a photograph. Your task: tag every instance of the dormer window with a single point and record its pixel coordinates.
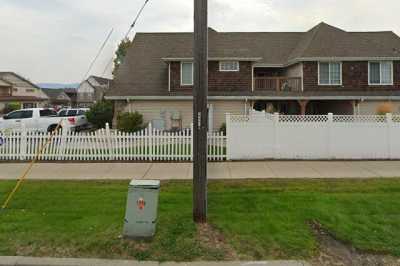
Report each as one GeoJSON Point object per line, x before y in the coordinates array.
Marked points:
{"type": "Point", "coordinates": [229, 66]}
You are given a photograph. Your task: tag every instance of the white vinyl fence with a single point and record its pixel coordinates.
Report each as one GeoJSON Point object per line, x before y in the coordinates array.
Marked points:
{"type": "Point", "coordinates": [104, 145]}
{"type": "Point", "coordinates": [266, 136]}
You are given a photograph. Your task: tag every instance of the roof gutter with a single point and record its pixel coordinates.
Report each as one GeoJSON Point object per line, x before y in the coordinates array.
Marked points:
{"type": "Point", "coordinates": [179, 59]}
{"type": "Point", "coordinates": [235, 98]}
{"type": "Point", "coordinates": [343, 59]}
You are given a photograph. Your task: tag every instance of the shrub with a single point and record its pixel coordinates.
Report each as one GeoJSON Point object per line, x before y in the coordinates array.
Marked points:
{"type": "Point", "coordinates": [384, 108]}
{"type": "Point", "coordinates": [223, 128]}
{"type": "Point", "coordinates": [130, 122]}
{"type": "Point", "coordinates": [100, 114]}
{"type": "Point", "coordinates": [11, 107]}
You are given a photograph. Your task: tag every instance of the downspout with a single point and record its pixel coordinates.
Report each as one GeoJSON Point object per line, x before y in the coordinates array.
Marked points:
{"type": "Point", "coordinates": [169, 76]}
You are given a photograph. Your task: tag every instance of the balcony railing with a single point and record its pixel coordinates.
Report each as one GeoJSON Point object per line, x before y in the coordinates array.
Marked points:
{"type": "Point", "coordinates": [278, 83]}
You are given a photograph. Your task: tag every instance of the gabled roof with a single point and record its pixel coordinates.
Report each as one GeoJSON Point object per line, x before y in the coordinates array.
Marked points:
{"type": "Point", "coordinates": [4, 83]}
{"type": "Point", "coordinates": [325, 41]}
{"type": "Point", "coordinates": [56, 94]}
{"type": "Point", "coordinates": [17, 80]}
{"type": "Point", "coordinates": [100, 80]}
{"type": "Point", "coordinates": [144, 72]}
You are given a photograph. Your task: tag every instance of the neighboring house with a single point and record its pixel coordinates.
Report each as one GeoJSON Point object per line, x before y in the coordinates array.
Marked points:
{"type": "Point", "coordinates": [92, 90]}
{"type": "Point", "coordinates": [57, 97]}
{"type": "Point", "coordinates": [73, 95]}
{"type": "Point", "coordinates": [323, 70]}
{"type": "Point", "coordinates": [16, 89]}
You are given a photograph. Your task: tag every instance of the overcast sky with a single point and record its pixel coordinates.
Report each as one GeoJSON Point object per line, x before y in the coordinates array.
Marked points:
{"type": "Point", "coordinates": [55, 40]}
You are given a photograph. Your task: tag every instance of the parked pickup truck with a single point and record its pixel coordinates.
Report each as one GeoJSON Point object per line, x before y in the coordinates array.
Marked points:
{"type": "Point", "coordinates": [75, 116]}
{"type": "Point", "coordinates": [39, 119]}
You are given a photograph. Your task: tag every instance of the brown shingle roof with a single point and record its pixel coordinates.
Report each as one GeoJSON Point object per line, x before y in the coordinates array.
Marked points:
{"type": "Point", "coordinates": [327, 41]}
{"type": "Point", "coordinates": [56, 94]}
{"type": "Point", "coordinates": [4, 83]}
{"type": "Point", "coordinates": [144, 73]}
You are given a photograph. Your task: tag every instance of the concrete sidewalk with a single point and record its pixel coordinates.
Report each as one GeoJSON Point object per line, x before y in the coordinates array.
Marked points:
{"type": "Point", "coordinates": [27, 261]}
{"type": "Point", "coordinates": [224, 170]}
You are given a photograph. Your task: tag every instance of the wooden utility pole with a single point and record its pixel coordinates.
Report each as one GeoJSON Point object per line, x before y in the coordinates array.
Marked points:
{"type": "Point", "coordinates": [200, 113]}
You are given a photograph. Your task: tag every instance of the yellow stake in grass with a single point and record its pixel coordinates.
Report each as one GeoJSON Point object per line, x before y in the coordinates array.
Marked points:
{"type": "Point", "coordinates": [23, 177]}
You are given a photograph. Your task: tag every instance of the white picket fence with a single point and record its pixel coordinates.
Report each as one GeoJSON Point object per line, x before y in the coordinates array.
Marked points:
{"type": "Point", "coordinates": [274, 136]}
{"type": "Point", "coordinates": [108, 145]}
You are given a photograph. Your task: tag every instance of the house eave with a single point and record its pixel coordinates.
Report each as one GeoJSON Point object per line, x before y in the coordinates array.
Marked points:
{"type": "Point", "coordinates": [234, 98]}
{"type": "Point", "coordinates": [338, 58]}
{"type": "Point", "coordinates": [180, 59]}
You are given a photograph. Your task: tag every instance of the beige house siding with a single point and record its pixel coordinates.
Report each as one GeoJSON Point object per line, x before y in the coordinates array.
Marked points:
{"type": "Point", "coordinates": [152, 110]}
{"type": "Point", "coordinates": [2, 106]}
{"type": "Point", "coordinates": [370, 107]}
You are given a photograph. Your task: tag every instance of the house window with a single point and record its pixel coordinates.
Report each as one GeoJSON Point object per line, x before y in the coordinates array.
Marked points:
{"type": "Point", "coordinates": [330, 73]}
{"type": "Point", "coordinates": [228, 66]}
{"type": "Point", "coordinates": [380, 73]}
{"type": "Point", "coordinates": [29, 105]}
{"type": "Point", "coordinates": [186, 73]}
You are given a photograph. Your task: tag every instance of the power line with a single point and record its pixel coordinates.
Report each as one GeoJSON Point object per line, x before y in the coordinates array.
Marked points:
{"type": "Point", "coordinates": [98, 53]}
{"type": "Point", "coordinates": [136, 19]}
{"type": "Point", "coordinates": [128, 32]}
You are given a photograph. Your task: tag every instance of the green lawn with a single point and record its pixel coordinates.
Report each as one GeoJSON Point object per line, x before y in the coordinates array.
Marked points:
{"type": "Point", "coordinates": [259, 219]}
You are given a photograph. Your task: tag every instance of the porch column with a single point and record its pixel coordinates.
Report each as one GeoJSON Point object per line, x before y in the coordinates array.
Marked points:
{"type": "Point", "coordinates": [303, 106]}
{"type": "Point", "coordinates": [356, 107]}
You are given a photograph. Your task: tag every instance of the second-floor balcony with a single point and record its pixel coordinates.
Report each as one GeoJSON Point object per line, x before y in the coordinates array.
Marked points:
{"type": "Point", "coordinates": [278, 83]}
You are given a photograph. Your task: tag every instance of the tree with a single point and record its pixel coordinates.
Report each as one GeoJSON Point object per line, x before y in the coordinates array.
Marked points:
{"type": "Point", "coordinates": [120, 54]}
{"type": "Point", "coordinates": [12, 106]}
{"type": "Point", "coordinates": [100, 114]}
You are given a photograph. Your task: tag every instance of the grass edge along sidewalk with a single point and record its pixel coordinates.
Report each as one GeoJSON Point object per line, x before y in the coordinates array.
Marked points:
{"type": "Point", "coordinates": [250, 220]}
{"type": "Point", "coordinates": [31, 261]}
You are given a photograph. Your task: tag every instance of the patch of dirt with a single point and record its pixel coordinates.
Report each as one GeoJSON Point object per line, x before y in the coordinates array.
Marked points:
{"type": "Point", "coordinates": [211, 238]}
{"type": "Point", "coordinates": [336, 253]}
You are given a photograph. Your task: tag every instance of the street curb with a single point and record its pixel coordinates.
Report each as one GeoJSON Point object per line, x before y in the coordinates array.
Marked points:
{"type": "Point", "coordinates": [30, 261]}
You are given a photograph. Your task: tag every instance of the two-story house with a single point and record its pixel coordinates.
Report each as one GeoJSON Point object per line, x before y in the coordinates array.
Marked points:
{"type": "Point", "coordinates": [325, 69]}
{"type": "Point", "coordinates": [16, 89]}
{"type": "Point", "coordinates": [92, 90]}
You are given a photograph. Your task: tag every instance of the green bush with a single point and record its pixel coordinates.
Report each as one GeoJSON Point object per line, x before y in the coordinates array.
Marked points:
{"type": "Point", "coordinates": [130, 122]}
{"type": "Point", "coordinates": [100, 114]}
{"type": "Point", "coordinates": [11, 107]}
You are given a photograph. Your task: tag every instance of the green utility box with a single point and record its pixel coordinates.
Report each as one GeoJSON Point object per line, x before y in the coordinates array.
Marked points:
{"type": "Point", "coordinates": [141, 209]}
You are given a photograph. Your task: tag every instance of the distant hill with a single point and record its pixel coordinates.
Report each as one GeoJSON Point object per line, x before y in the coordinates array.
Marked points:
{"type": "Point", "coordinates": [58, 85]}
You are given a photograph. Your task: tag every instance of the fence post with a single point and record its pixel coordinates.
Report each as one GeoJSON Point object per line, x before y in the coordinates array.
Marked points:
{"type": "Point", "coordinates": [23, 144]}
{"type": "Point", "coordinates": [329, 136]}
{"type": "Point", "coordinates": [109, 142]}
{"type": "Point", "coordinates": [276, 124]}
{"type": "Point", "coordinates": [389, 123]}
{"type": "Point", "coordinates": [61, 151]}
{"type": "Point", "coordinates": [150, 142]}
{"type": "Point", "coordinates": [228, 137]}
